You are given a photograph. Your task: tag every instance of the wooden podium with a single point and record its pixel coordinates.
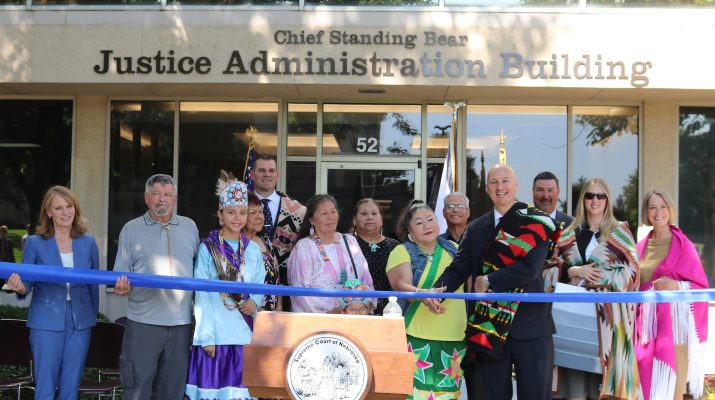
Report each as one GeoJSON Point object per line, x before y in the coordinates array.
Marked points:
{"type": "Point", "coordinates": [276, 334]}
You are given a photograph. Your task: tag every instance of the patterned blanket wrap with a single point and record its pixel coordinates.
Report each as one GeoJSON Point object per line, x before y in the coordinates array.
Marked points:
{"type": "Point", "coordinates": [519, 231]}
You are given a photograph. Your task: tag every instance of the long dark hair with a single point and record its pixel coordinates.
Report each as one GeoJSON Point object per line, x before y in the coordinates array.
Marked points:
{"type": "Point", "coordinates": [403, 223]}
{"type": "Point", "coordinates": [310, 207]}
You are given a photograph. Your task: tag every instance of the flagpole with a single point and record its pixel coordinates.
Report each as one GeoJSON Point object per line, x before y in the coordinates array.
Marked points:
{"type": "Point", "coordinates": [455, 106]}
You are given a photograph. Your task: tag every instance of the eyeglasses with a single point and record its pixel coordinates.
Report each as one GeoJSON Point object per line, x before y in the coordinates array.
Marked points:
{"type": "Point", "coordinates": [455, 206]}
{"type": "Point", "coordinates": [591, 196]}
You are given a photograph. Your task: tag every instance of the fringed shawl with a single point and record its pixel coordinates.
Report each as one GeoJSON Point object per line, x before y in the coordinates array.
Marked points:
{"type": "Point", "coordinates": [661, 325]}
{"type": "Point", "coordinates": [618, 259]}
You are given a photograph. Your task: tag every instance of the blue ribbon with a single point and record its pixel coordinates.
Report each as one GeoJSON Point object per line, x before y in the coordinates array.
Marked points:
{"type": "Point", "coordinates": [46, 273]}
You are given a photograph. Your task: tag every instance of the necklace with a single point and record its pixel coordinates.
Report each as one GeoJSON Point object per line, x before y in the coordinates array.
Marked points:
{"type": "Point", "coordinates": [326, 259]}
{"type": "Point", "coordinates": [373, 245]}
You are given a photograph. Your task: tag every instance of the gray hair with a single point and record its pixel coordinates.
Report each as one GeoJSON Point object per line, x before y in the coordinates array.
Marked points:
{"type": "Point", "coordinates": [161, 179]}
{"type": "Point", "coordinates": [456, 194]}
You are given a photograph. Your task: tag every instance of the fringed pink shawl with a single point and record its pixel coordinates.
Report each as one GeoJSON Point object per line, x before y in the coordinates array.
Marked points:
{"type": "Point", "coordinates": [659, 326]}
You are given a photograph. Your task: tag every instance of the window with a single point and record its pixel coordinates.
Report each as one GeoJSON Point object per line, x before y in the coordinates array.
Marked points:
{"type": "Point", "coordinates": [605, 145]}
{"type": "Point", "coordinates": [696, 210]}
{"type": "Point", "coordinates": [35, 153]}
{"type": "Point", "coordinates": [141, 138]}
{"type": "Point", "coordinates": [215, 136]}
{"type": "Point", "coordinates": [532, 139]}
{"type": "Point", "coordinates": [361, 129]}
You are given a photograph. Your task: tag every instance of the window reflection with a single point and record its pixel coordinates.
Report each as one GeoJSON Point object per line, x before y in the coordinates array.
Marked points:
{"type": "Point", "coordinates": [141, 138]}
{"type": "Point", "coordinates": [534, 141]}
{"type": "Point", "coordinates": [212, 136]}
{"type": "Point", "coordinates": [391, 189]}
{"type": "Point", "coordinates": [696, 211]}
{"type": "Point", "coordinates": [605, 145]}
{"type": "Point", "coordinates": [302, 129]}
{"type": "Point", "coordinates": [300, 180]}
{"type": "Point", "coordinates": [35, 153]}
{"type": "Point", "coordinates": [386, 130]}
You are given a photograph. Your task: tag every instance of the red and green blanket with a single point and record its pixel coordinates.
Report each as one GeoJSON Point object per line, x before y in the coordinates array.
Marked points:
{"type": "Point", "coordinates": [520, 230]}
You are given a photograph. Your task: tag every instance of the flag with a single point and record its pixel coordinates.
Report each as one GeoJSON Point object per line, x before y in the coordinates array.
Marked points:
{"type": "Point", "coordinates": [446, 184]}
{"type": "Point", "coordinates": [250, 158]}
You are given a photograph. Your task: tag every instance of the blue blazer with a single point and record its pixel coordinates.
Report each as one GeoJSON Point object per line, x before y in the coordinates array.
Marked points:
{"type": "Point", "coordinates": [49, 300]}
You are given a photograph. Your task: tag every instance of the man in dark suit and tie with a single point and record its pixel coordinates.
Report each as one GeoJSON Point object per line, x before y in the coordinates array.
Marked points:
{"type": "Point", "coordinates": [505, 250]}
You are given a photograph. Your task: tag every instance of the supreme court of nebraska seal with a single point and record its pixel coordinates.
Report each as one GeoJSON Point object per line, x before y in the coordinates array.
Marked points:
{"type": "Point", "coordinates": [326, 366]}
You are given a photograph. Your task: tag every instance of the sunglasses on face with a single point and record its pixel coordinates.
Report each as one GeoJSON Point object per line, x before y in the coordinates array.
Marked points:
{"type": "Point", "coordinates": [591, 196]}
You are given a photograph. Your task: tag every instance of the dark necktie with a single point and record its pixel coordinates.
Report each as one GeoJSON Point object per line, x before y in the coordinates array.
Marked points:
{"type": "Point", "coordinates": [268, 218]}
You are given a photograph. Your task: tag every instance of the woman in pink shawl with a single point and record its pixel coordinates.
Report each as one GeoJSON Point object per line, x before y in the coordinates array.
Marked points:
{"type": "Point", "coordinates": [670, 337]}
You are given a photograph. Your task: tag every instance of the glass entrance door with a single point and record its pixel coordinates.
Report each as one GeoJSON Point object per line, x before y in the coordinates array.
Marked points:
{"type": "Point", "coordinates": [392, 185]}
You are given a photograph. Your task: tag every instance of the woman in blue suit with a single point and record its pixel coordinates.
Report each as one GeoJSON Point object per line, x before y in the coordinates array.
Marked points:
{"type": "Point", "coordinates": [61, 315]}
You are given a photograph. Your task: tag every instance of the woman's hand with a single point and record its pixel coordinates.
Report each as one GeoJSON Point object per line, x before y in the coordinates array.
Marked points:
{"type": "Point", "coordinates": [434, 304]}
{"type": "Point", "coordinates": [122, 286]}
{"type": "Point", "coordinates": [14, 283]}
{"type": "Point", "coordinates": [248, 307]}
{"type": "Point", "coordinates": [665, 283]}
{"type": "Point", "coordinates": [587, 272]}
{"type": "Point", "coordinates": [209, 350]}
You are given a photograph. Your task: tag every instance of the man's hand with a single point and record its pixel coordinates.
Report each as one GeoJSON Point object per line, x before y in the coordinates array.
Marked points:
{"type": "Point", "coordinates": [434, 304]}
{"type": "Point", "coordinates": [14, 283]}
{"type": "Point", "coordinates": [122, 286]}
{"type": "Point", "coordinates": [481, 285]}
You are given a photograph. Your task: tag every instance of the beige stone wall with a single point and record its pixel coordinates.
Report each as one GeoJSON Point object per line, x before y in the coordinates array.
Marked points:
{"type": "Point", "coordinates": [65, 46]}
{"type": "Point", "coordinates": [89, 164]}
{"type": "Point", "coordinates": [660, 146]}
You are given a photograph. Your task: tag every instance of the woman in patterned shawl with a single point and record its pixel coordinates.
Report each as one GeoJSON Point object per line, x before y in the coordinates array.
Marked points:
{"type": "Point", "coordinates": [254, 225]}
{"type": "Point", "coordinates": [670, 338]}
{"type": "Point", "coordinates": [599, 251]}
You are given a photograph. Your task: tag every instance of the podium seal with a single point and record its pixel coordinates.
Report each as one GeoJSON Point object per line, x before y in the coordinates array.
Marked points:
{"type": "Point", "coordinates": [327, 365]}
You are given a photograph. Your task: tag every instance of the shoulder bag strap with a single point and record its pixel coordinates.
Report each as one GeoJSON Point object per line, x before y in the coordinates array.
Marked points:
{"type": "Point", "coordinates": [350, 253]}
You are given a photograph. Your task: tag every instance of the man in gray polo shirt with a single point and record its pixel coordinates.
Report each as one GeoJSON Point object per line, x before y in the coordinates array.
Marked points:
{"type": "Point", "coordinates": [157, 337]}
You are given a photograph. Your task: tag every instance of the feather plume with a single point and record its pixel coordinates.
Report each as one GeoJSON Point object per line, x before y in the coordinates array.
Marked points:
{"type": "Point", "coordinates": [224, 179]}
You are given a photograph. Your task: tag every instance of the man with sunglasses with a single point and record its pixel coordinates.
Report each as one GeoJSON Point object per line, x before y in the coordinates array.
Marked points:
{"type": "Point", "coordinates": [456, 213]}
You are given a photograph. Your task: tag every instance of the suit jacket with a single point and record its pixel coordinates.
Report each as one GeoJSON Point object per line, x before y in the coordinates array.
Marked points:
{"type": "Point", "coordinates": [564, 219]}
{"type": "Point", "coordinates": [532, 320]}
{"type": "Point", "coordinates": [49, 299]}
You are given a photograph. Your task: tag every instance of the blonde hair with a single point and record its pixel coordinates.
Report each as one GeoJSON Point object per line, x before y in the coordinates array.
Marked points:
{"type": "Point", "coordinates": [668, 202]}
{"type": "Point", "coordinates": [45, 226]}
{"type": "Point", "coordinates": [609, 222]}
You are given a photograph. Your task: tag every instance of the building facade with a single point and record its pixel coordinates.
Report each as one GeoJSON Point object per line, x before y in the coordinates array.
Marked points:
{"type": "Point", "coordinates": [351, 99]}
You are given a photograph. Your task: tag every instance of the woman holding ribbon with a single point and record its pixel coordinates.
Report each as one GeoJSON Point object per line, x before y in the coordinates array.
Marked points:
{"type": "Point", "coordinates": [324, 258]}
{"type": "Point", "coordinates": [224, 321]}
{"type": "Point", "coordinates": [670, 337]}
{"type": "Point", "coordinates": [61, 315]}
{"type": "Point", "coordinates": [367, 220]}
{"type": "Point", "coordinates": [599, 251]}
{"type": "Point", "coordinates": [437, 340]}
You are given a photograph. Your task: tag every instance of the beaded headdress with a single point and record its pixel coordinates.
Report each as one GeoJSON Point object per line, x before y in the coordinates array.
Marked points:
{"type": "Point", "coordinates": [353, 284]}
{"type": "Point", "coordinates": [231, 192]}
